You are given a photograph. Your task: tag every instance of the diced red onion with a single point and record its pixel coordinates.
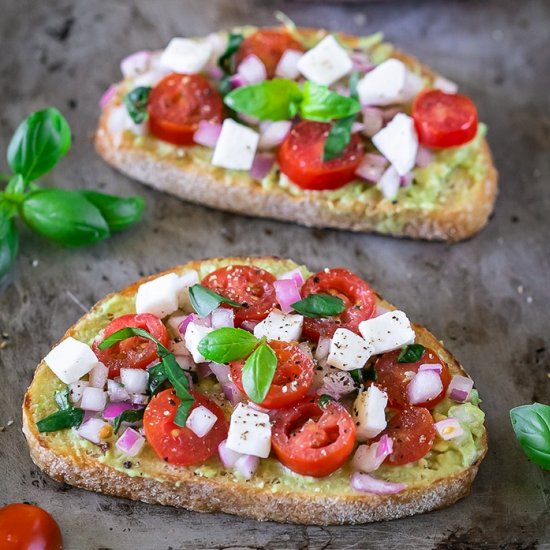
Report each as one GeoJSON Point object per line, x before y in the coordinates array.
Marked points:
{"type": "Point", "coordinates": [246, 466]}
{"type": "Point", "coordinates": [135, 64]}
{"type": "Point", "coordinates": [369, 458]}
{"type": "Point", "coordinates": [138, 399]}
{"type": "Point", "coordinates": [227, 455]}
{"type": "Point", "coordinates": [287, 293]}
{"type": "Point", "coordinates": [295, 275]}
{"type": "Point", "coordinates": [424, 157]}
{"type": "Point", "coordinates": [112, 410]}
{"type": "Point", "coordinates": [380, 310]}
{"type": "Point", "coordinates": [201, 420]}
{"type": "Point", "coordinates": [221, 372]}
{"type": "Point", "coordinates": [249, 325]}
{"type": "Point", "coordinates": [304, 346]}
{"type": "Point", "coordinates": [357, 127]}
{"type": "Point", "coordinates": [207, 133]}
{"type": "Point", "coordinates": [218, 43]}
{"type": "Point", "coordinates": [389, 183]}
{"type": "Point", "coordinates": [76, 389]}
{"type": "Point", "coordinates": [372, 167]}
{"type": "Point", "coordinates": [188, 278]}
{"type": "Point", "coordinates": [252, 69]}
{"type": "Point", "coordinates": [93, 399]}
{"type": "Point", "coordinates": [98, 376]}
{"type": "Point", "coordinates": [446, 85]}
{"type": "Point", "coordinates": [413, 86]}
{"type": "Point", "coordinates": [237, 81]}
{"type": "Point", "coordinates": [427, 366]}
{"type": "Point", "coordinates": [272, 134]}
{"type": "Point", "coordinates": [150, 78]}
{"type": "Point", "coordinates": [368, 484]}
{"type": "Point", "coordinates": [214, 72]}
{"type": "Point", "coordinates": [108, 94]}
{"type": "Point", "coordinates": [373, 120]}
{"type": "Point", "coordinates": [90, 429]}
{"type": "Point", "coordinates": [385, 447]}
{"type": "Point", "coordinates": [323, 348]}
{"type": "Point", "coordinates": [361, 62]}
{"type": "Point", "coordinates": [257, 407]}
{"type": "Point", "coordinates": [336, 384]}
{"type": "Point", "coordinates": [178, 347]}
{"type": "Point", "coordinates": [185, 362]}
{"type": "Point", "coordinates": [449, 428]}
{"type": "Point", "coordinates": [288, 65]}
{"type": "Point", "coordinates": [388, 114]}
{"type": "Point", "coordinates": [406, 180]}
{"type": "Point", "coordinates": [130, 442]}
{"type": "Point", "coordinates": [134, 380]}
{"type": "Point", "coordinates": [261, 165]}
{"type": "Point", "coordinates": [232, 393]}
{"type": "Point", "coordinates": [203, 370]}
{"type": "Point", "coordinates": [460, 387]}
{"type": "Point", "coordinates": [249, 119]}
{"type": "Point", "coordinates": [223, 317]}
{"type": "Point", "coordinates": [425, 385]}
{"type": "Point", "coordinates": [192, 318]}
{"type": "Point", "coordinates": [174, 322]}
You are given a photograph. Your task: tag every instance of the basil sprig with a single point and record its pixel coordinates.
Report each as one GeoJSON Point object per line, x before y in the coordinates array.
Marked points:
{"type": "Point", "coordinates": [136, 103]}
{"type": "Point", "coordinates": [531, 425]}
{"type": "Point", "coordinates": [129, 415]}
{"type": "Point", "coordinates": [168, 366]}
{"type": "Point", "coordinates": [319, 305]}
{"type": "Point", "coordinates": [411, 353]}
{"type": "Point", "coordinates": [205, 301]}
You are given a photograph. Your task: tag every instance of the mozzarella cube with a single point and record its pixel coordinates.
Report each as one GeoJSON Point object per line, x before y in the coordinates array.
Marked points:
{"type": "Point", "coordinates": [75, 391]}
{"type": "Point", "coordinates": [193, 335]}
{"type": "Point", "coordinates": [70, 360]}
{"type": "Point", "coordinates": [236, 146]}
{"type": "Point", "coordinates": [187, 279]}
{"type": "Point", "coordinates": [249, 432]}
{"type": "Point", "coordinates": [445, 85]}
{"type": "Point", "coordinates": [280, 326]}
{"type": "Point", "coordinates": [183, 55]}
{"type": "Point", "coordinates": [325, 63]}
{"type": "Point", "coordinates": [387, 332]}
{"type": "Point", "coordinates": [398, 142]}
{"type": "Point", "coordinates": [159, 296]}
{"type": "Point", "coordinates": [348, 351]}
{"type": "Point", "coordinates": [369, 413]}
{"type": "Point", "coordinates": [384, 85]}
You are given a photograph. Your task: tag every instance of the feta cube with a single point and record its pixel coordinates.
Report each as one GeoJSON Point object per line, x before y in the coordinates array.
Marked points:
{"type": "Point", "coordinates": [369, 413]}
{"type": "Point", "coordinates": [348, 351]}
{"type": "Point", "coordinates": [201, 420]}
{"type": "Point", "coordinates": [183, 55]}
{"type": "Point", "coordinates": [236, 146]}
{"type": "Point", "coordinates": [280, 326]}
{"type": "Point", "coordinates": [249, 432]}
{"type": "Point", "coordinates": [187, 279]}
{"type": "Point", "coordinates": [326, 62]}
{"type": "Point", "coordinates": [193, 335]}
{"type": "Point", "coordinates": [387, 84]}
{"type": "Point", "coordinates": [387, 332]}
{"type": "Point", "coordinates": [159, 296]}
{"type": "Point", "coordinates": [70, 360]}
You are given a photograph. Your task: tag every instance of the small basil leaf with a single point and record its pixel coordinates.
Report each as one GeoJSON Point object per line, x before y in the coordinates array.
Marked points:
{"type": "Point", "coordinates": [62, 399]}
{"type": "Point", "coordinates": [411, 353]}
{"type": "Point", "coordinates": [136, 103]}
{"type": "Point", "coordinates": [370, 374]}
{"type": "Point", "coordinates": [9, 242]}
{"type": "Point", "coordinates": [227, 344]}
{"type": "Point", "coordinates": [157, 377]}
{"type": "Point", "coordinates": [319, 305]}
{"type": "Point", "coordinates": [118, 212]}
{"type": "Point", "coordinates": [66, 217]}
{"type": "Point", "coordinates": [338, 138]}
{"type": "Point", "coordinates": [178, 379]}
{"type": "Point", "coordinates": [353, 81]}
{"type": "Point", "coordinates": [186, 402]}
{"type": "Point", "coordinates": [60, 420]}
{"type": "Point", "coordinates": [124, 334]}
{"type": "Point", "coordinates": [38, 144]}
{"type": "Point", "coordinates": [129, 415]}
{"type": "Point", "coordinates": [258, 372]}
{"type": "Point", "coordinates": [224, 86]}
{"type": "Point", "coordinates": [226, 61]}
{"type": "Point", "coordinates": [205, 301]}
{"type": "Point", "coordinates": [324, 400]}
{"type": "Point", "coordinates": [531, 425]}
{"type": "Point", "coordinates": [357, 375]}
{"type": "Point", "coordinates": [321, 104]}
{"type": "Point", "coordinates": [268, 100]}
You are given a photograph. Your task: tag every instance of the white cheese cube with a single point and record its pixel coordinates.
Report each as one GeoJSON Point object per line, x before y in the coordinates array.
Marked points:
{"type": "Point", "coordinates": [348, 351]}
{"type": "Point", "coordinates": [387, 332]}
{"type": "Point", "coordinates": [369, 414]}
{"type": "Point", "coordinates": [187, 279]}
{"type": "Point", "coordinates": [193, 335]}
{"type": "Point", "coordinates": [325, 63]}
{"type": "Point", "coordinates": [183, 55]}
{"type": "Point", "coordinates": [159, 296]}
{"type": "Point", "coordinates": [398, 142]}
{"type": "Point", "coordinates": [384, 85]}
{"type": "Point", "coordinates": [236, 146]}
{"type": "Point", "coordinates": [134, 380]}
{"type": "Point", "coordinates": [201, 420]}
{"type": "Point", "coordinates": [280, 326]}
{"type": "Point", "coordinates": [70, 360]}
{"type": "Point", "coordinates": [446, 85]}
{"type": "Point", "coordinates": [249, 432]}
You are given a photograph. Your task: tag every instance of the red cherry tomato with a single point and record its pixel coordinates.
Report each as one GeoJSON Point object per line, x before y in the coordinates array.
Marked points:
{"type": "Point", "coordinates": [359, 301]}
{"type": "Point", "coordinates": [444, 120]}
{"type": "Point", "coordinates": [135, 352]}
{"type": "Point", "coordinates": [292, 378]}
{"type": "Point", "coordinates": [313, 441]}
{"type": "Point", "coordinates": [248, 285]}
{"type": "Point", "coordinates": [269, 45]}
{"type": "Point", "coordinates": [27, 527]}
{"type": "Point", "coordinates": [301, 157]}
{"type": "Point", "coordinates": [393, 377]}
{"type": "Point", "coordinates": [413, 433]}
{"type": "Point", "coordinates": [178, 103]}
{"type": "Point", "coordinates": [176, 444]}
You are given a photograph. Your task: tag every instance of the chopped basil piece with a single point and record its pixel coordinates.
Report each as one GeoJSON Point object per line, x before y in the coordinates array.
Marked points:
{"type": "Point", "coordinates": [411, 354]}
{"type": "Point", "coordinates": [319, 305]}
{"type": "Point", "coordinates": [60, 420]}
{"type": "Point", "coordinates": [353, 81]}
{"type": "Point", "coordinates": [357, 375]}
{"type": "Point", "coordinates": [136, 103]}
{"type": "Point", "coordinates": [338, 138]}
{"type": "Point", "coordinates": [205, 301]}
{"type": "Point", "coordinates": [226, 62]}
{"type": "Point", "coordinates": [62, 399]}
{"type": "Point", "coordinates": [227, 344]}
{"type": "Point", "coordinates": [129, 415]}
{"type": "Point", "coordinates": [370, 374]}
{"type": "Point", "coordinates": [360, 376]}
{"type": "Point", "coordinates": [322, 104]}
{"type": "Point", "coordinates": [258, 372]}
{"type": "Point", "coordinates": [157, 377]}
{"type": "Point", "coordinates": [531, 424]}
{"type": "Point", "coordinates": [324, 400]}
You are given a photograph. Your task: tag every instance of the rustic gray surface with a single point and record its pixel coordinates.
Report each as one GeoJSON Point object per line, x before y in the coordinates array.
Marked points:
{"type": "Point", "coordinates": [487, 298]}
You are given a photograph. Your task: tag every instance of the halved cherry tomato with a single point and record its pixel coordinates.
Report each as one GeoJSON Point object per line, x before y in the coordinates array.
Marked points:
{"type": "Point", "coordinates": [413, 433]}
{"type": "Point", "coordinates": [444, 120]}
{"type": "Point", "coordinates": [301, 157]}
{"type": "Point", "coordinates": [292, 378]}
{"type": "Point", "coordinates": [27, 527]}
{"type": "Point", "coordinates": [135, 352]}
{"type": "Point", "coordinates": [178, 103]}
{"type": "Point", "coordinates": [176, 444]}
{"type": "Point", "coordinates": [250, 286]}
{"type": "Point", "coordinates": [269, 45]}
{"type": "Point", "coordinates": [393, 377]}
{"type": "Point", "coordinates": [359, 301]}
{"type": "Point", "coordinates": [313, 441]}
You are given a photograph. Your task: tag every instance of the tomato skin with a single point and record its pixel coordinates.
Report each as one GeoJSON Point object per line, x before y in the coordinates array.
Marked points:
{"type": "Point", "coordinates": [444, 120]}
{"type": "Point", "coordinates": [135, 352]}
{"type": "Point", "coordinates": [178, 103]}
{"type": "Point", "coordinates": [393, 379]}
{"type": "Point", "coordinates": [294, 373]}
{"type": "Point", "coordinates": [268, 45]}
{"type": "Point", "coordinates": [245, 284]}
{"type": "Point", "coordinates": [313, 441]}
{"type": "Point", "coordinates": [300, 157]}
{"type": "Point", "coordinates": [176, 444]}
{"type": "Point", "coordinates": [27, 527]}
{"type": "Point", "coordinates": [358, 297]}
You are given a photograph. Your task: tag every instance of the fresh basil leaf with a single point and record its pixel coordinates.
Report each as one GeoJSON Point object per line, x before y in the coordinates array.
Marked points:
{"type": "Point", "coordinates": [118, 212]}
{"type": "Point", "coordinates": [178, 379]}
{"type": "Point", "coordinates": [227, 344]}
{"type": "Point", "coordinates": [531, 425]}
{"type": "Point", "coordinates": [124, 334]}
{"type": "Point", "coordinates": [129, 415]}
{"type": "Point", "coordinates": [60, 420]}
{"type": "Point", "coordinates": [357, 375]}
{"type": "Point", "coordinates": [205, 301]}
{"type": "Point", "coordinates": [322, 104]}
{"type": "Point", "coordinates": [324, 400]}
{"type": "Point", "coordinates": [224, 86]}
{"type": "Point", "coordinates": [66, 217]}
{"type": "Point", "coordinates": [226, 61]}
{"type": "Point", "coordinates": [338, 138]}
{"type": "Point", "coordinates": [39, 143]}
{"type": "Point", "coordinates": [136, 103]}
{"type": "Point", "coordinates": [258, 372]}
{"type": "Point", "coordinates": [353, 81]}
{"type": "Point", "coordinates": [62, 399]}
{"type": "Point", "coordinates": [370, 374]}
{"type": "Point", "coordinates": [157, 377]}
{"type": "Point", "coordinates": [319, 305]}
{"type": "Point", "coordinates": [274, 99]}
{"type": "Point", "coordinates": [186, 402]}
{"type": "Point", "coordinates": [9, 242]}
{"type": "Point", "coordinates": [411, 353]}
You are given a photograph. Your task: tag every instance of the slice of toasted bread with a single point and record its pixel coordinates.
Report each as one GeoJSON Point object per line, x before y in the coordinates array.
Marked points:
{"type": "Point", "coordinates": [459, 208]}
{"type": "Point", "coordinates": [273, 494]}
